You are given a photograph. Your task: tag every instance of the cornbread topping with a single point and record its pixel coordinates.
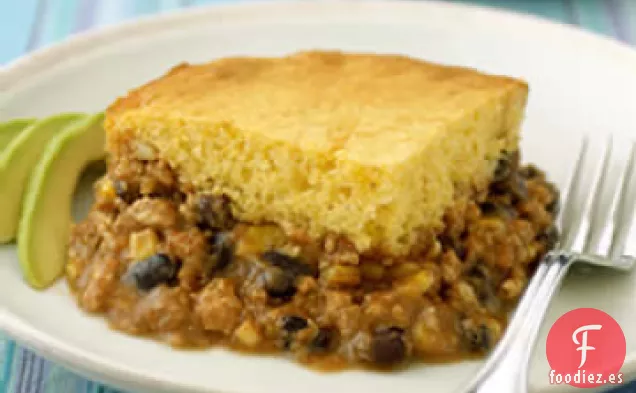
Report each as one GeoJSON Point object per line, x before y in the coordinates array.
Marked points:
{"type": "Point", "coordinates": [371, 147]}
{"type": "Point", "coordinates": [345, 209]}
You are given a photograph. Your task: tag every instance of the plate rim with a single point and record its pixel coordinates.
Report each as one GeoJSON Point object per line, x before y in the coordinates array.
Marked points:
{"type": "Point", "coordinates": [11, 72]}
{"type": "Point", "coordinates": [33, 63]}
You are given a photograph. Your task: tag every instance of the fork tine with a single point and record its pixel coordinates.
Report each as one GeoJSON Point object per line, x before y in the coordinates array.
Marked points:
{"type": "Point", "coordinates": [600, 225]}
{"type": "Point", "coordinates": [565, 218]}
{"type": "Point", "coordinates": [624, 211]}
{"type": "Point", "coordinates": [584, 220]}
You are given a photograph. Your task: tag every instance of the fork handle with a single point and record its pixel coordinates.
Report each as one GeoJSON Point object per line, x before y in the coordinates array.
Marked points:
{"type": "Point", "coordinates": [506, 370]}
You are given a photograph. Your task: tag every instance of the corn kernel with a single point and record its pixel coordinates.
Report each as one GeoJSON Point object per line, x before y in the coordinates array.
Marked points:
{"type": "Point", "coordinates": [147, 186]}
{"type": "Point", "coordinates": [248, 334]}
{"type": "Point", "coordinates": [403, 270]}
{"type": "Point", "coordinates": [257, 239]}
{"type": "Point", "coordinates": [494, 327]}
{"type": "Point", "coordinates": [372, 271]}
{"type": "Point", "coordinates": [492, 224]}
{"type": "Point", "coordinates": [71, 271]}
{"type": "Point", "coordinates": [423, 280]}
{"type": "Point", "coordinates": [143, 244]}
{"type": "Point", "coordinates": [342, 276]}
{"type": "Point", "coordinates": [532, 252]}
{"type": "Point", "coordinates": [466, 293]}
{"type": "Point", "coordinates": [106, 190]}
{"type": "Point", "coordinates": [426, 340]}
{"type": "Point", "coordinates": [419, 283]}
{"type": "Point", "coordinates": [511, 288]}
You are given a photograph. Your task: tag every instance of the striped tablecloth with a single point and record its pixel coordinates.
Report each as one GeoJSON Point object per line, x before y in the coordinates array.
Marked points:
{"type": "Point", "coordinates": [29, 24]}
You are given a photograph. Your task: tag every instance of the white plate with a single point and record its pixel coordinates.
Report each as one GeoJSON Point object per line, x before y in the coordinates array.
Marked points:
{"type": "Point", "coordinates": [580, 83]}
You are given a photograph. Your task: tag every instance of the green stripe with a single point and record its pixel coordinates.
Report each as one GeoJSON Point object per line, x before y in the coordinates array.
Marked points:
{"type": "Point", "coordinates": [593, 15]}
{"type": "Point", "coordinates": [60, 20]}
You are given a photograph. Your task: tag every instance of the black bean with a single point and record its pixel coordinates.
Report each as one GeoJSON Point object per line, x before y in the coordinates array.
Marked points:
{"type": "Point", "coordinates": [502, 171]}
{"type": "Point", "coordinates": [289, 264]}
{"type": "Point", "coordinates": [476, 338]}
{"type": "Point", "coordinates": [286, 342]}
{"type": "Point", "coordinates": [506, 166]}
{"type": "Point", "coordinates": [554, 206]}
{"type": "Point", "coordinates": [550, 237]}
{"type": "Point", "coordinates": [293, 323]}
{"type": "Point", "coordinates": [125, 191]}
{"type": "Point", "coordinates": [279, 284]}
{"type": "Point", "coordinates": [222, 249]}
{"type": "Point", "coordinates": [476, 270]}
{"type": "Point", "coordinates": [486, 337]}
{"type": "Point", "coordinates": [323, 340]}
{"type": "Point", "coordinates": [518, 188]}
{"type": "Point", "coordinates": [445, 291]}
{"type": "Point", "coordinates": [215, 212]}
{"type": "Point", "coordinates": [150, 272]}
{"type": "Point", "coordinates": [460, 252]}
{"type": "Point", "coordinates": [389, 329]}
{"type": "Point", "coordinates": [387, 346]}
{"type": "Point", "coordinates": [530, 172]}
{"type": "Point", "coordinates": [489, 208]}
{"type": "Point", "coordinates": [450, 243]}
{"type": "Point", "coordinates": [487, 296]}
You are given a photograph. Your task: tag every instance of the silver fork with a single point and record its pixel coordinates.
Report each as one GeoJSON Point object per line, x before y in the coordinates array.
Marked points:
{"type": "Point", "coordinates": [587, 236]}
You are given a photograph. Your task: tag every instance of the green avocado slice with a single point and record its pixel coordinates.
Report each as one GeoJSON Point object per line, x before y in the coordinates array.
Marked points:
{"type": "Point", "coordinates": [46, 219]}
{"type": "Point", "coordinates": [16, 162]}
{"type": "Point", "coordinates": [10, 129]}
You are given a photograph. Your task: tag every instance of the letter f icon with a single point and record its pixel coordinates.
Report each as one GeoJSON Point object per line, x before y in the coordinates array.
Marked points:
{"type": "Point", "coordinates": [584, 347]}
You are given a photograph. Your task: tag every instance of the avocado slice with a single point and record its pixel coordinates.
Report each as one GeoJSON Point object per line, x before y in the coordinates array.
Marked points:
{"type": "Point", "coordinates": [46, 219]}
{"type": "Point", "coordinates": [10, 129]}
{"type": "Point", "coordinates": [16, 162]}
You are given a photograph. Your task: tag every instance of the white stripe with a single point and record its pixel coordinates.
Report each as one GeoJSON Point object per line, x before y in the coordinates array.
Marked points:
{"type": "Point", "coordinates": [111, 11]}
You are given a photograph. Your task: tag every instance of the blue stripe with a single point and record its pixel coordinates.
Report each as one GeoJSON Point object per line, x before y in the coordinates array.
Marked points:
{"type": "Point", "coordinates": [628, 8]}
{"type": "Point", "coordinates": [21, 370]}
{"type": "Point", "coordinates": [85, 15]}
{"type": "Point", "coordinates": [617, 17]}
{"type": "Point", "coordinates": [35, 34]}
{"type": "Point", "coordinates": [59, 21]}
{"type": "Point", "coordinates": [37, 379]}
{"type": "Point", "coordinates": [16, 25]}
{"type": "Point", "coordinates": [46, 371]}
{"type": "Point", "coordinates": [10, 351]}
{"type": "Point", "coordinates": [4, 360]}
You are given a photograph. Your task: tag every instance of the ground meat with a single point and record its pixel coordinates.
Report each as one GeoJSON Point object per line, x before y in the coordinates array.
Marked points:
{"type": "Point", "coordinates": [218, 308]}
{"type": "Point", "coordinates": [217, 280]}
{"type": "Point", "coordinates": [100, 281]}
{"type": "Point", "coordinates": [155, 213]}
{"type": "Point", "coordinates": [164, 309]}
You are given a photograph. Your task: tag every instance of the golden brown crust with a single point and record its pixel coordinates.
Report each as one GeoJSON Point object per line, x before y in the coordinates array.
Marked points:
{"type": "Point", "coordinates": [348, 99]}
